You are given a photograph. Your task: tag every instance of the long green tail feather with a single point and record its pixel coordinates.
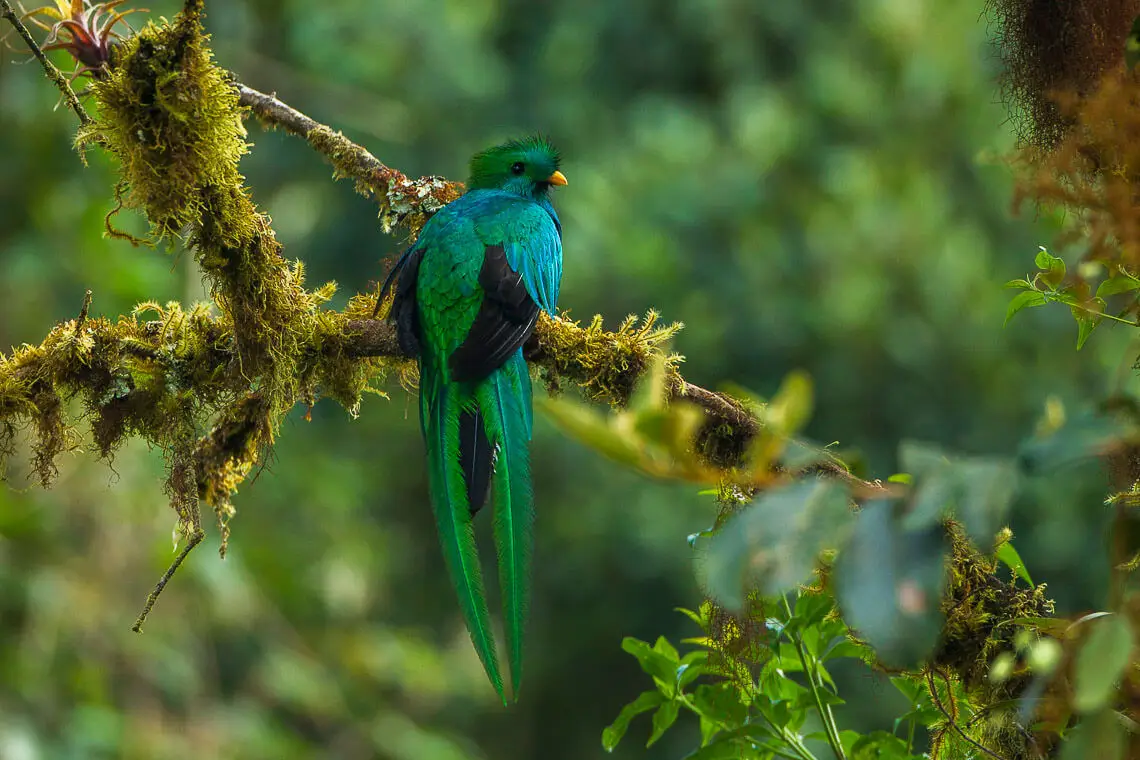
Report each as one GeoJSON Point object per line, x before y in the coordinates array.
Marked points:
{"type": "Point", "coordinates": [440, 405]}
{"type": "Point", "coordinates": [504, 399]}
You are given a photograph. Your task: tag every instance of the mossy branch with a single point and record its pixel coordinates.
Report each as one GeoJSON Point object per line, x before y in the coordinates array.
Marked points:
{"type": "Point", "coordinates": [208, 384]}
{"type": "Point", "coordinates": [403, 202]}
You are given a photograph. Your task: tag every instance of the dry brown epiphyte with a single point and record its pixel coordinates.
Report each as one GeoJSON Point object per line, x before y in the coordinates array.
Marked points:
{"type": "Point", "coordinates": [1095, 171]}
{"type": "Point", "coordinates": [1052, 47]}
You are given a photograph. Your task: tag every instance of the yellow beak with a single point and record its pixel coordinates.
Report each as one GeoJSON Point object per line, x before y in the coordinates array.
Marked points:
{"type": "Point", "coordinates": [558, 178]}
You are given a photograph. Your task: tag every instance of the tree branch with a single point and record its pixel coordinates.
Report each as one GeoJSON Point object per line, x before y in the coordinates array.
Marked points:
{"type": "Point", "coordinates": [403, 201]}
{"type": "Point", "coordinates": [235, 367]}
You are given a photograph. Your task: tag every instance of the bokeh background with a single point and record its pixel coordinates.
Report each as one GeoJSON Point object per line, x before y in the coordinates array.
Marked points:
{"type": "Point", "coordinates": [805, 185]}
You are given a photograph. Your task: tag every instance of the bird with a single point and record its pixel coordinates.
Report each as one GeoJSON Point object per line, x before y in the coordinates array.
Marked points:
{"type": "Point", "coordinates": [467, 296]}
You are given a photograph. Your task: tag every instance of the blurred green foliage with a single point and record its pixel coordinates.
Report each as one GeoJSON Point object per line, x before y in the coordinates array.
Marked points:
{"type": "Point", "coordinates": [809, 186]}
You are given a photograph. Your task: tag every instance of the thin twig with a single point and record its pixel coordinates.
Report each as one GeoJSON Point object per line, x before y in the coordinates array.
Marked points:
{"type": "Point", "coordinates": [195, 538]}
{"type": "Point", "coordinates": [83, 310]}
{"type": "Point", "coordinates": [50, 69]}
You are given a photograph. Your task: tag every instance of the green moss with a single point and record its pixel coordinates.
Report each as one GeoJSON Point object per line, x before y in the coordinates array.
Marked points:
{"type": "Point", "coordinates": [978, 606]}
{"type": "Point", "coordinates": [607, 365]}
{"type": "Point", "coordinates": [334, 371]}
{"type": "Point", "coordinates": [224, 458]}
{"type": "Point", "coordinates": [171, 118]}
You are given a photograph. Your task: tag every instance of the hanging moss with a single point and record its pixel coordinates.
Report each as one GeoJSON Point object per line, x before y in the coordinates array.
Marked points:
{"type": "Point", "coordinates": [171, 119]}
{"type": "Point", "coordinates": [978, 606]}
{"type": "Point", "coordinates": [1052, 47]}
{"type": "Point", "coordinates": [224, 458]}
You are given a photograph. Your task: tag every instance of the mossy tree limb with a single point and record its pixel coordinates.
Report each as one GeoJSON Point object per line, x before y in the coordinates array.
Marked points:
{"type": "Point", "coordinates": [208, 384]}
{"type": "Point", "coordinates": [404, 202]}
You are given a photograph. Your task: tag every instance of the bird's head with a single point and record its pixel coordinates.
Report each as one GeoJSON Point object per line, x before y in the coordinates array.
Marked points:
{"type": "Point", "coordinates": [527, 167]}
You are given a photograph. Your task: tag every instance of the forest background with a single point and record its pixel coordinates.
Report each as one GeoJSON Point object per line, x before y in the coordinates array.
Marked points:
{"type": "Point", "coordinates": [806, 186]}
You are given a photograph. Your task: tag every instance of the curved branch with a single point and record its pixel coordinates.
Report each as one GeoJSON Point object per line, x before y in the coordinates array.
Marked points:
{"type": "Point", "coordinates": [270, 344]}
{"type": "Point", "coordinates": [403, 201]}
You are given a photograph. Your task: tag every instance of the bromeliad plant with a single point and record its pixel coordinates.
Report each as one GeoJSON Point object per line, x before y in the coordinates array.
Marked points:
{"type": "Point", "coordinates": [85, 30]}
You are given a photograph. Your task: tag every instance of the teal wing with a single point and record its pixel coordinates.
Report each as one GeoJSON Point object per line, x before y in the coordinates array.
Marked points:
{"type": "Point", "coordinates": [532, 238]}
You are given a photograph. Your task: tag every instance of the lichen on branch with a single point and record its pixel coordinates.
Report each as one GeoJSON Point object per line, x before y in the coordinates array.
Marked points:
{"type": "Point", "coordinates": [403, 202]}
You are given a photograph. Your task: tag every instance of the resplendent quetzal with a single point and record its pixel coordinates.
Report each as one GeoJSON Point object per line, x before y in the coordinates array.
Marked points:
{"type": "Point", "coordinates": [468, 295]}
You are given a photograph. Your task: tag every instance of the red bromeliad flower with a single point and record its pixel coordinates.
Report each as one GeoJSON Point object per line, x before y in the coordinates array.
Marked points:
{"type": "Point", "coordinates": [85, 30]}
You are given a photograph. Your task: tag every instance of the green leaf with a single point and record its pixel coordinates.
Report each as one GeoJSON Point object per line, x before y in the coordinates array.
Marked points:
{"type": "Point", "coordinates": [686, 674]}
{"type": "Point", "coordinates": [805, 700]}
{"type": "Point", "coordinates": [790, 409]}
{"type": "Point", "coordinates": [985, 490]}
{"type": "Point", "coordinates": [1007, 555]}
{"type": "Point", "coordinates": [909, 686]}
{"type": "Point", "coordinates": [772, 546]}
{"type": "Point", "coordinates": [921, 460]}
{"type": "Point", "coordinates": [692, 667]}
{"type": "Point", "coordinates": [1052, 626]}
{"type": "Point", "coordinates": [1104, 655]}
{"type": "Point", "coordinates": [721, 702]}
{"type": "Point", "coordinates": [700, 617]}
{"type": "Point", "coordinates": [730, 745]}
{"type": "Point", "coordinates": [977, 490]}
{"type": "Point", "coordinates": [1086, 323]}
{"type": "Point", "coordinates": [663, 646]}
{"type": "Point", "coordinates": [1028, 299]}
{"type": "Point", "coordinates": [1019, 284]}
{"type": "Point", "coordinates": [594, 430]}
{"type": "Point", "coordinates": [1121, 283]}
{"type": "Point", "coordinates": [845, 648]}
{"type": "Point", "coordinates": [656, 663]}
{"type": "Point", "coordinates": [718, 750]}
{"type": "Point", "coordinates": [645, 702]}
{"type": "Point", "coordinates": [1083, 435]}
{"type": "Point", "coordinates": [879, 745]}
{"type": "Point", "coordinates": [662, 719]}
{"type": "Point", "coordinates": [810, 610]}
{"type": "Point", "coordinates": [1099, 736]}
{"type": "Point", "coordinates": [889, 583]}
{"type": "Point", "coordinates": [777, 687]}
{"type": "Point", "coordinates": [1052, 268]}
{"type": "Point", "coordinates": [709, 729]}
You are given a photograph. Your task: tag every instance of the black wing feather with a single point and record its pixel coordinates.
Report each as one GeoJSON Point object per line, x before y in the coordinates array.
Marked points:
{"type": "Point", "coordinates": [505, 320]}
{"type": "Point", "coordinates": [404, 309]}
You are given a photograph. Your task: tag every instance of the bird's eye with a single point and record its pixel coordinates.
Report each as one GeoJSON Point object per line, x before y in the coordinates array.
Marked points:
{"type": "Point", "coordinates": [517, 168]}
